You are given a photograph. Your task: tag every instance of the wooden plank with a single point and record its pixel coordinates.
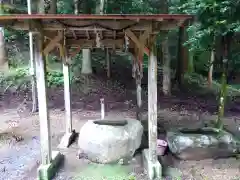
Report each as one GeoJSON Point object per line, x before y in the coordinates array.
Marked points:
{"type": "Point", "coordinates": [133, 37]}
{"type": "Point", "coordinates": [92, 43]}
{"type": "Point", "coordinates": [32, 65]}
{"type": "Point", "coordinates": [45, 132]}
{"type": "Point", "coordinates": [135, 17]}
{"type": "Point", "coordinates": [67, 95]}
{"type": "Point", "coordinates": [53, 43]}
{"type": "Point", "coordinates": [110, 26]}
{"type": "Point", "coordinates": [87, 34]}
{"type": "Point", "coordinates": [143, 40]}
{"type": "Point", "coordinates": [114, 34]}
{"type": "Point", "coordinates": [108, 59]}
{"type": "Point", "coordinates": [74, 34]}
{"type": "Point", "coordinates": [74, 53]}
{"type": "Point", "coordinates": [152, 105]}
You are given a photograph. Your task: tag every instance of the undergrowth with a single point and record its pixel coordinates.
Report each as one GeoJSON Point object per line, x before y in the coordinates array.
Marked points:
{"type": "Point", "coordinates": [199, 84]}
{"type": "Point", "coordinates": [20, 79]}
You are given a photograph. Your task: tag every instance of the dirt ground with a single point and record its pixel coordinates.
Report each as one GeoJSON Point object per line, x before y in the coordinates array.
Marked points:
{"type": "Point", "coordinates": [19, 128]}
{"type": "Point", "coordinates": [19, 158]}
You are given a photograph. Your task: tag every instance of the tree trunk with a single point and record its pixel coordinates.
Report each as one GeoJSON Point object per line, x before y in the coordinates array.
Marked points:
{"type": "Point", "coordinates": [166, 67]}
{"type": "Point", "coordinates": [86, 57]}
{"type": "Point", "coordinates": [190, 62]}
{"type": "Point", "coordinates": [53, 7]}
{"type": "Point", "coordinates": [166, 56]}
{"type": "Point", "coordinates": [100, 6]}
{"type": "Point", "coordinates": [179, 72]}
{"type": "Point", "coordinates": [210, 72]}
{"type": "Point", "coordinates": [190, 68]}
{"type": "Point", "coordinates": [41, 6]}
{"type": "Point", "coordinates": [3, 59]}
{"type": "Point", "coordinates": [76, 7]}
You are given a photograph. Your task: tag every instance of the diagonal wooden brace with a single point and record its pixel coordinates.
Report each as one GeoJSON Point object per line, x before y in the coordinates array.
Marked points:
{"type": "Point", "coordinates": [53, 43]}
{"type": "Point", "coordinates": [74, 53]}
{"type": "Point", "coordinates": [138, 43]}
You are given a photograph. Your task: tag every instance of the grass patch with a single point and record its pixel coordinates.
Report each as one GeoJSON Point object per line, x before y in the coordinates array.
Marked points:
{"type": "Point", "coordinates": [108, 172]}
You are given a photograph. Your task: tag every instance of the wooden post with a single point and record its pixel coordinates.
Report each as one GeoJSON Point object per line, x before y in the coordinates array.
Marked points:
{"type": "Point", "coordinates": [108, 59]}
{"type": "Point", "coordinates": [67, 96]}
{"type": "Point", "coordinates": [32, 65]}
{"type": "Point", "coordinates": [179, 73]}
{"type": "Point", "coordinates": [152, 106]}
{"type": "Point", "coordinates": [70, 134]}
{"type": "Point", "coordinates": [45, 132]}
{"type": "Point", "coordinates": [138, 78]}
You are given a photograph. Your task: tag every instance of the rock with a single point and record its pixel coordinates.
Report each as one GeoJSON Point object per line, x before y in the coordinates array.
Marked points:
{"type": "Point", "coordinates": [109, 143]}
{"type": "Point", "coordinates": [202, 144]}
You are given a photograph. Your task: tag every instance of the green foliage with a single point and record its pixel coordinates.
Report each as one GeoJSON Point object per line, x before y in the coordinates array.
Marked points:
{"type": "Point", "coordinates": [214, 18]}
{"type": "Point", "coordinates": [19, 78]}
{"type": "Point", "coordinates": [198, 84]}
{"type": "Point", "coordinates": [15, 78]}
{"type": "Point", "coordinates": [65, 7]}
{"type": "Point", "coordinates": [54, 78]}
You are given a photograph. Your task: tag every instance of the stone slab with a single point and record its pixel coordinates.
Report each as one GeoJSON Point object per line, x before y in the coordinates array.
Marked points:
{"type": "Point", "coordinates": [109, 143]}
{"type": "Point", "coordinates": [204, 143]}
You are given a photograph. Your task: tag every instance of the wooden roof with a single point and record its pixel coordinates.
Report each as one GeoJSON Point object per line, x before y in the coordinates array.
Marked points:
{"type": "Point", "coordinates": [98, 22]}
{"type": "Point", "coordinates": [85, 27]}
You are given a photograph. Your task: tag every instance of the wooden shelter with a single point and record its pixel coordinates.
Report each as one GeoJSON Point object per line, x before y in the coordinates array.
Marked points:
{"type": "Point", "coordinates": [71, 33]}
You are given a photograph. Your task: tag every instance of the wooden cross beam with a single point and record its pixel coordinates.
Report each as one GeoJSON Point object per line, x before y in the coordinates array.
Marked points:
{"type": "Point", "coordinates": [74, 53]}
{"type": "Point", "coordinates": [53, 43]}
{"type": "Point", "coordinates": [143, 39]}
{"type": "Point", "coordinates": [85, 43]}
{"type": "Point", "coordinates": [137, 42]}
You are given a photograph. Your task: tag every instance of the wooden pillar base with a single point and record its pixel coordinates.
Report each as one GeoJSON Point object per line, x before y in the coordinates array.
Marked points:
{"type": "Point", "coordinates": [154, 168]}
{"type": "Point", "coordinates": [48, 171]}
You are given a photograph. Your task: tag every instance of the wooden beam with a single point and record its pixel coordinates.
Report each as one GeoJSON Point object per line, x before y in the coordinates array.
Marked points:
{"type": "Point", "coordinates": [152, 106]}
{"type": "Point", "coordinates": [87, 33]}
{"type": "Point", "coordinates": [133, 37]}
{"type": "Point", "coordinates": [108, 59]}
{"type": "Point", "coordinates": [74, 34]}
{"type": "Point", "coordinates": [45, 132]}
{"type": "Point", "coordinates": [76, 25]}
{"type": "Point", "coordinates": [67, 95]}
{"type": "Point", "coordinates": [61, 51]}
{"type": "Point", "coordinates": [101, 34]}
{"type": "Point", "coordinates": [74, 53]}
{"type": "Point", "coordinates": [92, 43]}
{"type": "Point", "coordinates": [114, 34]}
{"type": "Point", "coordinates": [53, 43]}
{"type": "Point", "coordinates": [143, 39]}
{"type": "Point", "coordinates": [32, 65]}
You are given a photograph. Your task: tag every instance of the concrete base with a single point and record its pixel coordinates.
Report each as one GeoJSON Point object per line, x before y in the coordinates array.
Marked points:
{"type": "Point", "coordinates": [67, 140]}
{"type": "Point", "coordinates": [154, 169]}
{"type": "Point", "coordinates": [47, 172]}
